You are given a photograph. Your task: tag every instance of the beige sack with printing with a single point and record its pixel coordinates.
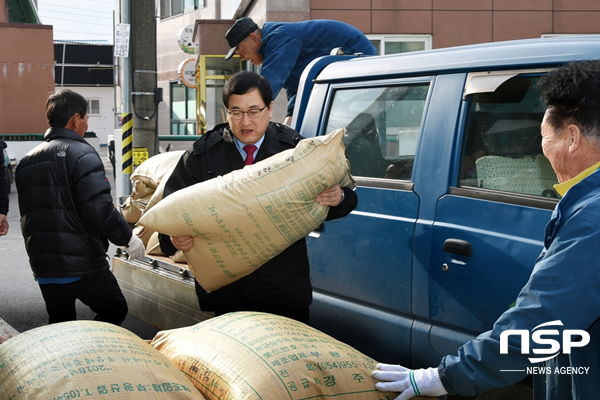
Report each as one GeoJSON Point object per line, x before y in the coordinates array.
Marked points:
{"type": "Point", "coordinates": [148, 181]}
{"type": "Point", "coordinates": [243, 219]}
{"type": "Point", "coordinates": [152, 171]}
{"type": "Point", "coordinates": [247, 356]}
{"type": "Point", "coordinates": [88, 359]}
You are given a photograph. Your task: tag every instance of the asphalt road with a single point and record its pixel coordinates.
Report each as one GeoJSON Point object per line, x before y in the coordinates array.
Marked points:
{"type": "Point", "coordinates": [21, 303]}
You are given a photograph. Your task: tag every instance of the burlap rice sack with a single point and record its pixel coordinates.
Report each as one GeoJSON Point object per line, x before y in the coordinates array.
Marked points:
{"type": "Point", "coordinates": [87, 359]}
{"type": "Point", "coordinates": [153, 246]}
{"type": "Point", "coordinates": [132, 209]}
{"type": "Point", "coordinates": [144, 234]}
{"type": "Point", "coordinates": [158, 192]}
{"type": "Point", "coordinates": [147, 179]}
{"type": "Point", "coordinates": [141, 203]}
{"type": "Point", "coordinates": [152, 171]}
{"type": "Point", "coordinates": [131, 213]}
{"type": "Point", "coordinates": [148, 185]}
{"type": "Point", "coordinates": [141, 190]}
{"type": "Point", "coordinates": [249, 355]}
{"type": "Point", "coordinates": [243, 219]}
{"type": "Point", "coordinates": [179, 257]}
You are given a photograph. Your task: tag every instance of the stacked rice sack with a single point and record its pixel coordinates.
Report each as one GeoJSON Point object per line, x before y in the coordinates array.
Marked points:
{"type": "Point", "coordinates": [81, 359]}
{"type": "Point", "coordinates": [243, 219]}
{"type": "Point", "coordinates": [148, 181]}
{"type": "Point", "coordinates": [247, 355]}
{"type": "Point", "coordinates": [237, 356]}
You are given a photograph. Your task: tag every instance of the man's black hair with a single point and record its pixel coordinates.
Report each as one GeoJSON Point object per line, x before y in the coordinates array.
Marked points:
{"type": "Point", "coordinates": [244, 81]}
{"type": "Point", "coordinates": [62, 105]}
{"type": "Point", "coordinates": [572, 94]}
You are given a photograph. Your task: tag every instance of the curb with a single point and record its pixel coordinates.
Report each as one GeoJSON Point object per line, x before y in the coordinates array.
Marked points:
{"type": "Point", "coordinates": [6, 331]}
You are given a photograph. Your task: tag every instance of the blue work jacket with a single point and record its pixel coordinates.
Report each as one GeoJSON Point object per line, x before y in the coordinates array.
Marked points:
{"type": "Point", "coordinates": [288, 47]}
{"type": "Point", "coordinates": [564, 286]}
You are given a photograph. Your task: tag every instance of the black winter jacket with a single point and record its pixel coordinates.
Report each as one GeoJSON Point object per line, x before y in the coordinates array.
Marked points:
{"type": "Point", "coordinates": [3, 182]}
{"type": "Point", "coordinates": [282, 283]}
{"type": "Point", "coordinates": [67, 212]}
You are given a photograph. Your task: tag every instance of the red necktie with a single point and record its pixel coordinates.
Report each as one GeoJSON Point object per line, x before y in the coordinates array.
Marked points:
{"type": "Point", "coordinates": [250, 149]}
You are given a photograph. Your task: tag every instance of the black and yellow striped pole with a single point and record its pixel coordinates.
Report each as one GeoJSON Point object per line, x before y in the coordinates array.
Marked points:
{"type": "Point", "coordinates": [127, 151]}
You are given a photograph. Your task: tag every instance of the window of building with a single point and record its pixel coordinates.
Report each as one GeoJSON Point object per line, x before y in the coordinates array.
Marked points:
{"type": "Point", "coordinates": [93, 106]}
{"type": "Point", "coordinates": [183, 110]}
{"type": "Point", "coordinates": [171, 8]}
{"type": "Point", "coordinates": [503, 145]}
{"type": "Point", "coordinates": [383, 126]}
{"type": "Point", "coordinates": [392, 44]}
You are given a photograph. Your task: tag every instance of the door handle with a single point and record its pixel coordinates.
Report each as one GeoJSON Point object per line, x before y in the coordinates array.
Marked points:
{"type": "Point", "coordinates": [458, 246]}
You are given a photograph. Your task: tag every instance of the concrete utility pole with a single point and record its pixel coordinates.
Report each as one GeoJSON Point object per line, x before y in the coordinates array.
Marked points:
{"type": "Point", "coordinates": [144, 101]}
{"type": "Point", "coordinates": [124, 139]}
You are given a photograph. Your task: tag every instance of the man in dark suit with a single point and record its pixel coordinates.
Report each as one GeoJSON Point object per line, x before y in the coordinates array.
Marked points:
{"type": "Point", "coordinates": [282, 285]}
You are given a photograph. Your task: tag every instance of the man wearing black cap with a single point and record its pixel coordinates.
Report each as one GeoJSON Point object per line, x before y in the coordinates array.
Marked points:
{"type": "Point", "coordinates": [285, 48]}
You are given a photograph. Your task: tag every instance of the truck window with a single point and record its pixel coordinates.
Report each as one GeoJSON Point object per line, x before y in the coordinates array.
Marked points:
{"type": "Point", "coordinates": [502, 148]}
{"type": "Point", "coordinates": [383, 126]}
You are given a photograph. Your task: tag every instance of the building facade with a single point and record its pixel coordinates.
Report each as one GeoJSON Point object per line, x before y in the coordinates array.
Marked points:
{"type": "Point", "coordinates": [392, 25]}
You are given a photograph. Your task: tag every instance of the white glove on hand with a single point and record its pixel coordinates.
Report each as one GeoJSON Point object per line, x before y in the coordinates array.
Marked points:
{"type": "Point", "coordinates": [135, 248]}
{"type": "Point", "coordinates": [411, 383]}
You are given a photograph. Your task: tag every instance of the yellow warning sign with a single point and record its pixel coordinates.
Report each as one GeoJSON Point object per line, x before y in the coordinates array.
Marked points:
{"type": "Point", "coordinates": [140, 154]}
{"type": "Point", "coordinates": [126, 142]}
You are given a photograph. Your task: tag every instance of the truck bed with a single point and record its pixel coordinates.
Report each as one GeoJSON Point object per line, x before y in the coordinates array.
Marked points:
{"type": "Point", "coordinates": [159, 291]}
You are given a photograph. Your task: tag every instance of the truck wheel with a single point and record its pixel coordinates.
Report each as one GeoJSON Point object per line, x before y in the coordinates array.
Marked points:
{"type": "Point", "coordinates": [515, 392]}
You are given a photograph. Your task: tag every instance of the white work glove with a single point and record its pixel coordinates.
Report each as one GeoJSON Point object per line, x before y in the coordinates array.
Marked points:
{"type": "Point", "coordinates": [135, 248]}
{"type": "Point", "coordinates": [411, 383]}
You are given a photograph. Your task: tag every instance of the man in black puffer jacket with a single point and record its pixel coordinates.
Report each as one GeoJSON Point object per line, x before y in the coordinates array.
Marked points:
{"type": "Point", "coordinates": [68, 217]}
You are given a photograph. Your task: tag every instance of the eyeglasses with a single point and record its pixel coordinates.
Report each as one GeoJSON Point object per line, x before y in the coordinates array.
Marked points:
{"type": "Point", "coordinates": [253, 113]}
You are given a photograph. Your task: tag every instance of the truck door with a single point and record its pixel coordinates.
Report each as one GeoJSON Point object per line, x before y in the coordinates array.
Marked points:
{"type": "Point", "coordinates": [361, 265]}
{"type": "Point", "coordinates": [488, 229]}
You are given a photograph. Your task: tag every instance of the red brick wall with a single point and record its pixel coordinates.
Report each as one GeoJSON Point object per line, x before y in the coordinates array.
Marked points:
{"type": "Point", "coordinates": [26, 77]}
{"type": "Point", "coordinates": [458, 22]}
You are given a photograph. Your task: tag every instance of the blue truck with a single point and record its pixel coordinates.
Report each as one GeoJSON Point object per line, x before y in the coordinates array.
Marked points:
{"type": "Point", "coordinates": [454, 192]}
